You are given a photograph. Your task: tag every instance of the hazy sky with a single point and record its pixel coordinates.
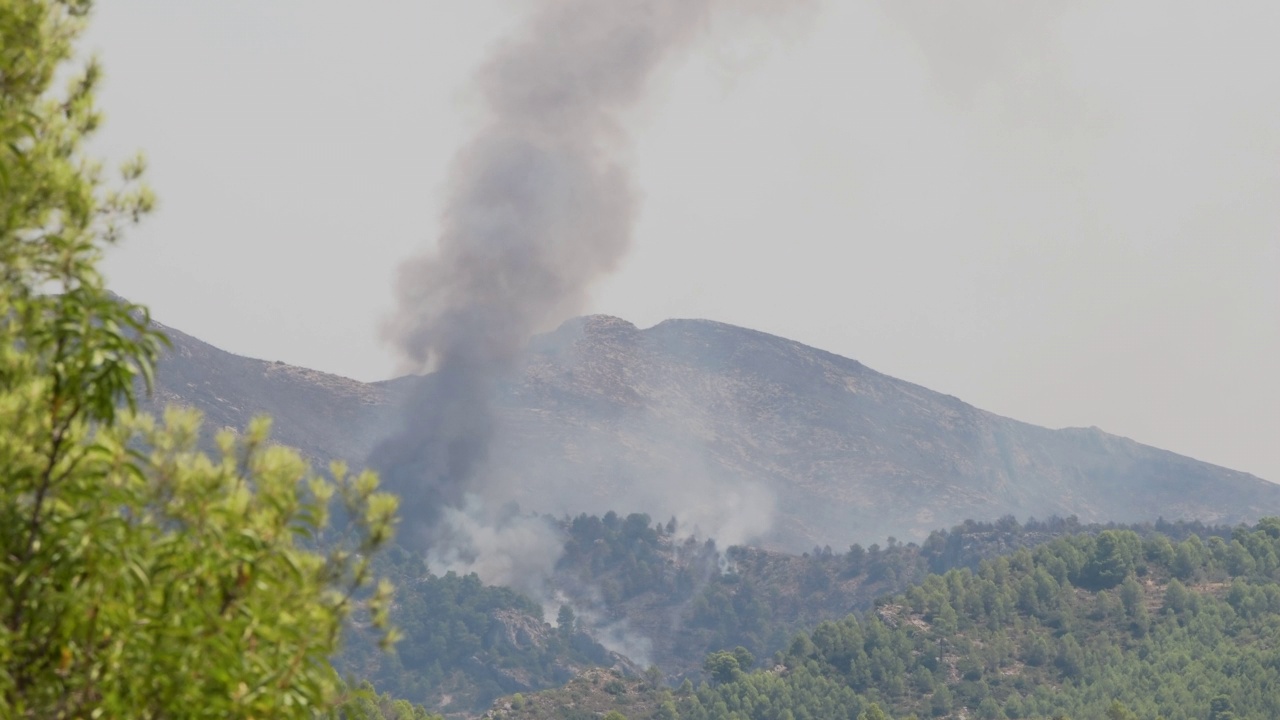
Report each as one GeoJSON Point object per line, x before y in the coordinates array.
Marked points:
{"type": "Point", "coordinates": [1063, 212]}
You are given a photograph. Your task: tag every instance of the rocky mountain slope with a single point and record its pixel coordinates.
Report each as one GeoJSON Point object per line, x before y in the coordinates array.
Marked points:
{"type": "Point", "coordinates": [325, 416]}
{"type": "Point", "coordinates": [740, 432]}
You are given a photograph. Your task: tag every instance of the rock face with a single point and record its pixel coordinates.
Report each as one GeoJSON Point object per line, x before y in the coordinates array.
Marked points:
{"type": "Point", "coordinates": [744, 433]}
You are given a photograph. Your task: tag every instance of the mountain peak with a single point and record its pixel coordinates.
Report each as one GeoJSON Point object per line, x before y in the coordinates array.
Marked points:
{"type": "Point", "coordinates": [598, 324]}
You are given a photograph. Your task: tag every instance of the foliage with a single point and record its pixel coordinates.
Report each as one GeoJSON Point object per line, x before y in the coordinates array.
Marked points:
{"type": "Point", "coordinates": [464, 639]}
{"type": "Point", "coordinates": [591, 695]}
{"type": "Point", "coordinates": [457, 646]}
{"type": "Point", "coordinates": [365, 703]}
{"type": "Point", "coordinates": [757, 599]}
{"type": "Point", "coordinates": [138, 576]}
{"type": "Point", "coordinates": [721, 667]}
{"type": "Point", "coordinates": [628, 552]}
{"type": "Point", "coordinates": [1022, 638]}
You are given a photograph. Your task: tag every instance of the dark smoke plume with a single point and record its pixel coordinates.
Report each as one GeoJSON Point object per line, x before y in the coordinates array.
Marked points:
{"type": "Point", "coordinates": [538, 208]}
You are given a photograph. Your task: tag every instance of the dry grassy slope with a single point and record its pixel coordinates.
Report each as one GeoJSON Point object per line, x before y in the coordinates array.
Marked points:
{"type": "Point", "coordinates": [606, 416]}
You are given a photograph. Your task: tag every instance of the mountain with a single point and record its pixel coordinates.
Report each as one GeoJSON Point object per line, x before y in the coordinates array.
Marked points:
{"type": "Point", "coordinates": [739, 432]}
{"type": "Point", "coordinates": [325, 416]}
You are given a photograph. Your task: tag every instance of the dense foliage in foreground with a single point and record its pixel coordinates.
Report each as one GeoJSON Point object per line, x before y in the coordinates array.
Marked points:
{"type": "Point", "coordinates": [1105, 626]}
{"type": "Point", "coordinates": [139, 576]}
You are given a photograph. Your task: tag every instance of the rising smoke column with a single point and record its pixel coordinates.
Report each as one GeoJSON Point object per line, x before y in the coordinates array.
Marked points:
{"type": "Point", "coordinates": [538, 208]}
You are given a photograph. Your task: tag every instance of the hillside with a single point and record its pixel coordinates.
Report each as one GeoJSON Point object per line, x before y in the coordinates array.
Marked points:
{"type": "Point", "coordinates": [735, 430]}
{"type": "Point", "coordinates": [1085, 626]}
{"type": "Point", "coordinates": [465, 643]}
{"type": "Point", "coordinates": [695, 410]}
{"type": "Point", "coordinates": [670, 600]}
{"type": "Point", "coordinates": [662, 599]}
{"type": "Point", "coordinates": [325, 416]}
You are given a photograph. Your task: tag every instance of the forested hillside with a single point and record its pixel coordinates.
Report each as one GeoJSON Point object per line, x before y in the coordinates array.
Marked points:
{"type": "Point", "coordinates": [1086, 626]}
{"type": "Point", "coordinates": [682, 598]}
{"type": "Point", "coordinates": [465, 643]}
{"type": "Point", "coordinates": [665, 599]}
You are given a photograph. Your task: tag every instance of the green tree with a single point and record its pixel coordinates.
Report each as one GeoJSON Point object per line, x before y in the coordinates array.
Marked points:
{"type": "Point", "coordinates": [721, 667]}
{"type": "Point", "coordinates": [138, 576]}
{"type": "Point", "coordinates": [941, 702]}
{"type": "Point", "coordinates": [989, 709]}
{"type": "Point", "coordinates": [366, 704]}
{"type": "Point", "coordinates": [744, 657]}
{"type": "Point", "coordinates": [1188, 558]}
{"type": "Point", "coordinates": [1176, 597]}
{"type": "Point", "coordinates": [564, 620]}
{"type": "Point", "coordinates": [1115, 555]}
{"type": "Point", "coordinates": [1220, 708]}
{"type": "Point", "coordinates": [873, 712]}
{"type": "Point", "coordinates": [1118, 711]}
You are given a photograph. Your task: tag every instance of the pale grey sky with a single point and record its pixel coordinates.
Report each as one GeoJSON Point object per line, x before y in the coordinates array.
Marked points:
{"type": "Point", "coordinates": [1063, 212]}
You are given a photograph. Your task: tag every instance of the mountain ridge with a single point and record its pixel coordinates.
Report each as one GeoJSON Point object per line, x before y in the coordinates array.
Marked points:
{"type": "Point", "coordinates": [734, 429]}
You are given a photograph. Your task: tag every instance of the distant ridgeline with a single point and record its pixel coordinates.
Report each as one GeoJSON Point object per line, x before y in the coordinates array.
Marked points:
{"type": "Point", "coordinates": [605, 412]}
{"type": "Point", "coordinates": [678, 597]}
{"type": "Point", "coordinates": [1088, 625]}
